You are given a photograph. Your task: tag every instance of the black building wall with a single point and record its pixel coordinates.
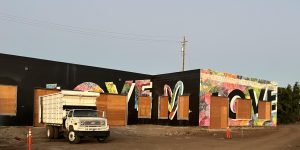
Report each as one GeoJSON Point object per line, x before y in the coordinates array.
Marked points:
{"type": "Point", "coordinates": [29, 73]}
{"type": "Point", "coordinates": [191, 81]}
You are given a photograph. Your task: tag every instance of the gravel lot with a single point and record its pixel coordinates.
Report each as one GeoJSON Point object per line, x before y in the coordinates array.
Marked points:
{"type": "Point", "coordinates": [135, 137]}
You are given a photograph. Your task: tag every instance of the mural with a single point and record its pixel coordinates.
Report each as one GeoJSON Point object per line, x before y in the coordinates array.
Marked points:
{"type": "Point", "coordinates": [89, 86]}
{"type": "Point", "coordinates": [173, 104]}
{"type": "Point", "coordinates": [233, 87]}
{"type": "Point", "coordinates": [140, 90]}
{"type": "Point", "coordinates": [128, 89]}
{"type": "Point", "coordinates": [211, 83]}
{"type": "Point", "coordinates": [111, 88]}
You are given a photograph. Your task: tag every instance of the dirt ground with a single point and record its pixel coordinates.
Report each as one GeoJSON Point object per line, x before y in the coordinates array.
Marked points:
{"type": "Point", "coordinates": [148, 137]}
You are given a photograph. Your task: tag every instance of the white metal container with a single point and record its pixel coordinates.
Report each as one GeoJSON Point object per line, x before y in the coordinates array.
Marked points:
{"type": "Point", "coordinates": [52, 105]}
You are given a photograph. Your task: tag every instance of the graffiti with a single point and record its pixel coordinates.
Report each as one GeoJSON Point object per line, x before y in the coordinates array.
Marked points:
{"type": "Point", "coordinates": [173, 104]}
{"type": "Point", "coordinates": [233, 87]}
{"type": "Point", "coordinates": [111, 88]}
{"type": "Point", "coordinates": [239, 94]}
{"type": "Point", "coordinates": [211, 84]}
{"type": "Point", "coordinates": [235, 94]}
{"type": "Point", "coordinates": [128, 89]}
{"type": "Point", "coordinates": [204, 109]}
{"type": "Point", "coordinates": [89, 86]}
{"type": "Point", "coordinates": [264, 95]}
{"type": "Point", "coordinates": [140, 90]}
{"type": "Point", "coordinates": [139, 85]}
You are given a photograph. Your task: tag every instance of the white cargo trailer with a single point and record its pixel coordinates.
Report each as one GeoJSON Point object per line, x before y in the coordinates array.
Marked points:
{"type": "Point", "coordinates": [74, 114]}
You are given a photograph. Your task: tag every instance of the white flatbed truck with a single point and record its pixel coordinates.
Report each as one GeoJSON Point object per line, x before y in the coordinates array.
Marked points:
{"type": "Point", "coordinates": [73, 114]}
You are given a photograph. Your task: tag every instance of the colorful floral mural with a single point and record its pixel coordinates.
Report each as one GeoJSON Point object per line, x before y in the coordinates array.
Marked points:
{"type": "Point", "coordinates": [111, 88]}
{"type": "Point", "coordinates": [233, 87]}
{"type": "Point", "coordinates": [89, 86]}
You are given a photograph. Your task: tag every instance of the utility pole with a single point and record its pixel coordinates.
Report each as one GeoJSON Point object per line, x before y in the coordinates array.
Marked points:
{"type": "Point", "coordinates": [183, 52]}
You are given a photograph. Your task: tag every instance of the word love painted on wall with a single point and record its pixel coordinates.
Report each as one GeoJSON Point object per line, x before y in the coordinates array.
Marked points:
{"type": "Point", "coordinates": [173, 104]}
{"type": "Point", "coordinates": [233, 86]}
{"type": "Point", "coordinates": [265, 95]}
{"type": "Point", "coordinates": [141, 88]}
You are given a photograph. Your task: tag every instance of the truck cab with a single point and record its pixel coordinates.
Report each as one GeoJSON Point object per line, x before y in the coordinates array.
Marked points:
{"type": "Point", "coordinates": [86, 122]}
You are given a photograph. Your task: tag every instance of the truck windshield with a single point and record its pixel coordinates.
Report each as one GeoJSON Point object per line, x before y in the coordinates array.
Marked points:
{"type": "Point", "coordinates": [85, 113]}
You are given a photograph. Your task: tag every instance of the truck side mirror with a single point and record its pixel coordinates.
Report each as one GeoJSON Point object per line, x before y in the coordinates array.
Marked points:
{"type": "Point", "coordinates": [70, 113]}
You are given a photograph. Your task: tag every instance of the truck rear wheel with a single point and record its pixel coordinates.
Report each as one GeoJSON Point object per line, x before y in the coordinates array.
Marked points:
{"type": "Point", "coordinates": [56, 132]}
{"type": "Point", "coordinates": [50, 132]}
{"type": "Point", "coordinates": [73, 137]}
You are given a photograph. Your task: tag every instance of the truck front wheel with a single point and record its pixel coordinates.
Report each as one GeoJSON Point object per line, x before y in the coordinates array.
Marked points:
{"type": "Point", "coordinates": [73, 137]}
{"type": "Point", "coordinates": [50, 132]}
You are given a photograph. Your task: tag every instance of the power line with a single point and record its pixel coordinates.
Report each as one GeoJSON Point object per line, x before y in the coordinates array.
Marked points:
{"type": "Point", "coordinates": [84, 31]}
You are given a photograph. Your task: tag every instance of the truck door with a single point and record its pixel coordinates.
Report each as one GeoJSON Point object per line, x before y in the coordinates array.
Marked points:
{"type": "Point", "coordinates": [69, 119]}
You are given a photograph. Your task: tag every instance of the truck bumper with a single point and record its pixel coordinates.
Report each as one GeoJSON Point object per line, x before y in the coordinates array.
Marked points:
{"type": "Point", "coordinates": [93, 133]}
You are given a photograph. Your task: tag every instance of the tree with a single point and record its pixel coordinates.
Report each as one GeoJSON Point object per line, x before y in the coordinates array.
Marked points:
{"type": "Point", "coordinates": [289, 104]}
{"type": "Point", "coordinates": [296, 99]}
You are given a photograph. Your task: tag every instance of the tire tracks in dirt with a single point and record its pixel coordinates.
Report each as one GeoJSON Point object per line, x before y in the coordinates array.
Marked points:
{"type": "Point", "coordinates": [285, 138]}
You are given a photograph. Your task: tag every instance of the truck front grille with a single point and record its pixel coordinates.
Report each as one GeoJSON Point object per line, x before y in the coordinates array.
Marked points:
{"type": "Point", "coordinates": [90, 123]}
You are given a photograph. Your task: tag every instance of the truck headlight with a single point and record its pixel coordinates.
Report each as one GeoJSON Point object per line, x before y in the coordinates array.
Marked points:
{"type": "Point", "coordinates": [102, 123]}
{"type": "Point", "coordinates": [82, 123]}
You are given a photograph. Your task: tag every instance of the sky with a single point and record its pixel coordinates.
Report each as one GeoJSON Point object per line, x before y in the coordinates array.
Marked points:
{"type": "Point", "coordinates": [253, 38]}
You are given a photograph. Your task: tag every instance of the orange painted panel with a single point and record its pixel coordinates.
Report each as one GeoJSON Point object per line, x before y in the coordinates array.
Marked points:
{"type": "Point", "coordinates": [224, 118]}
{"type": "Point", "coordinates": [264, 110]}
{"type": "Point", "coordinates": [218, 112]}
{"type": "Point", "coordinates": [8, 100]}
{"type": "Point", "coordinates": [243, 109]}
{"type": "Point", "coordinates": [115, 107]}
{"type": "Point", "coordinates": [144, 107]}
{"type": "Point", "coordinates": [183, 108]}
{"type": "Point", "coordinates": [163, 107]}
